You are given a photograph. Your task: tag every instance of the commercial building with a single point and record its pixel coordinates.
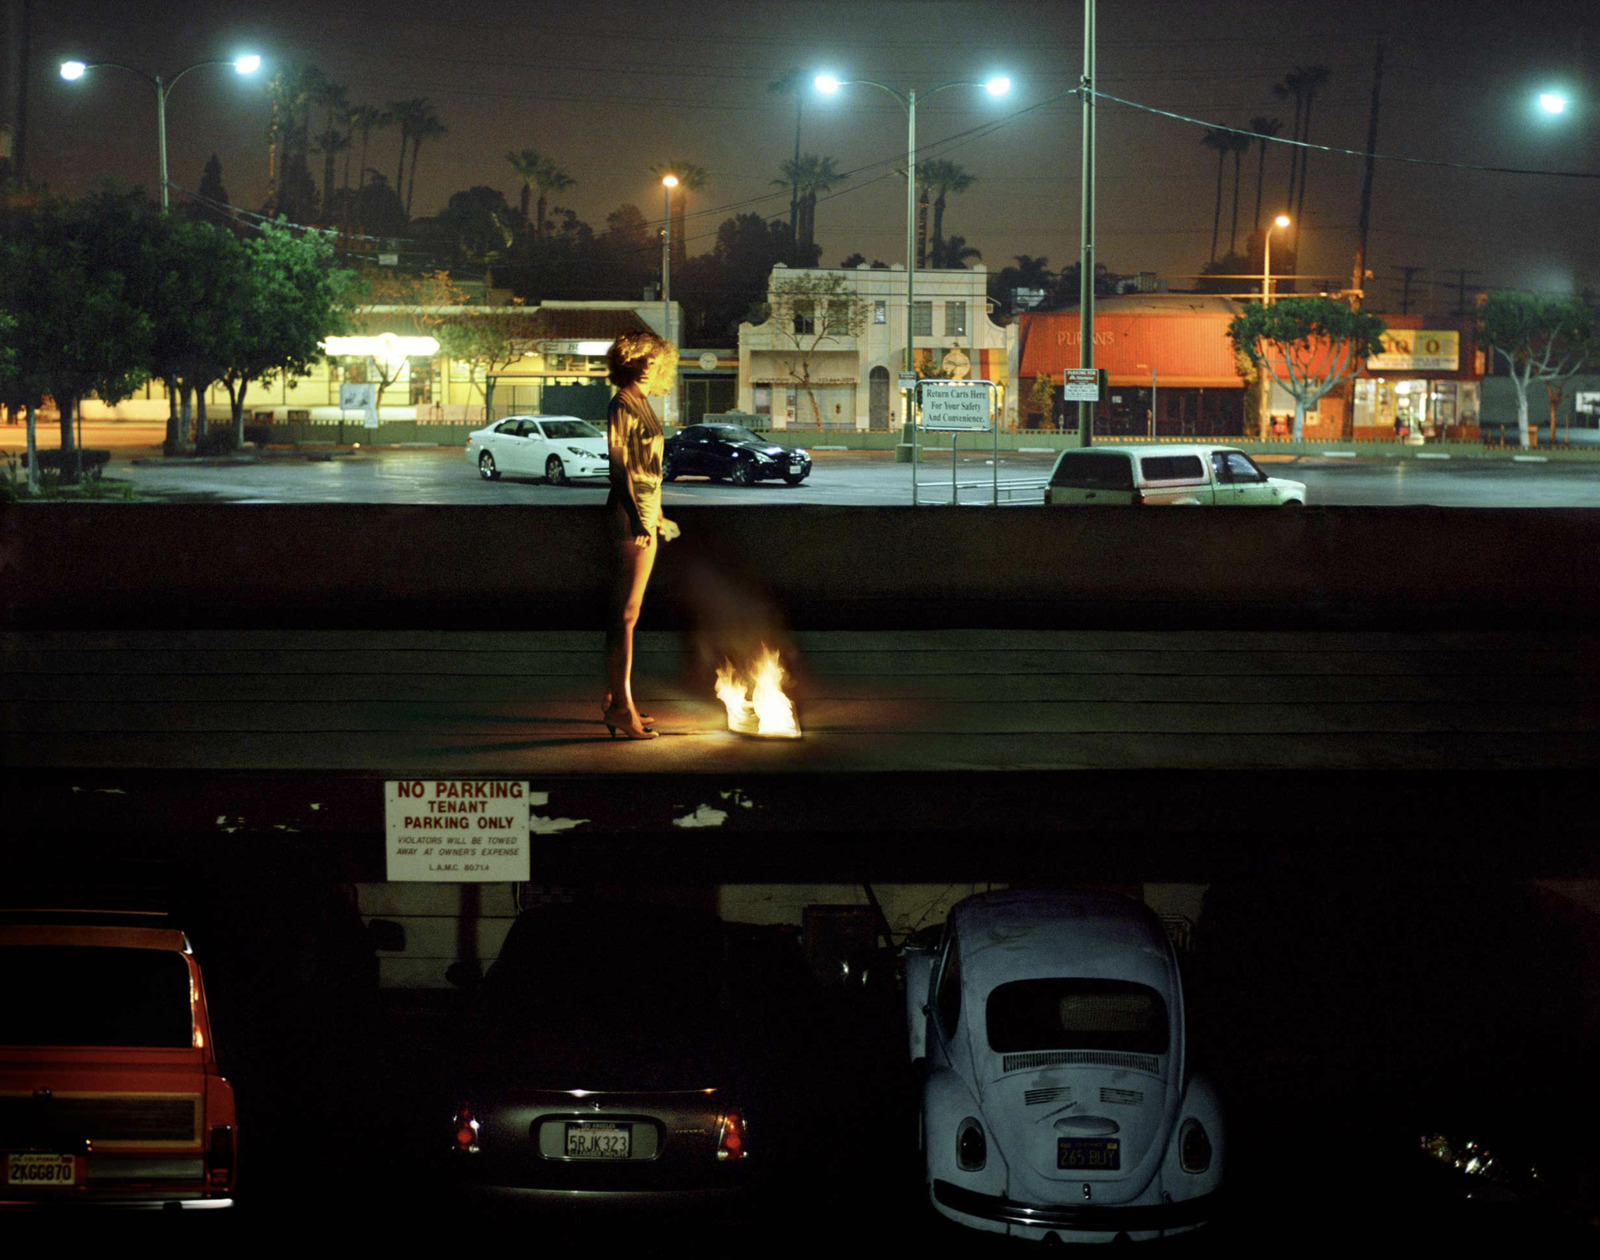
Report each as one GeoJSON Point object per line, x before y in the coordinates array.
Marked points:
{"type": "Point", "coordinates": [852, 376]}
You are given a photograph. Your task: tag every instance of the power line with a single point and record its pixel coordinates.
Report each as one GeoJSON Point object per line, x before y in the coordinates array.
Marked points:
{"type": "Point", "coordinates": [1360, 153]}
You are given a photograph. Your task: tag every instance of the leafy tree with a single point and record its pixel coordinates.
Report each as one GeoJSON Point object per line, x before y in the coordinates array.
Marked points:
{"type": "Point", "coordinates": [490, 340]}
{"type": "Point", "coordinates": [213, 196]}
{"type": "Point", "coordinates": [85, 271]}
{"type": "Point", "coordinates": [1221, 275]}
{"type": "Point", "coordinates": [1539, 338]}
{"type": "Point", "coordinates": [721, 289]}
{"type": "Point", "coordinates": [420, 303]}
{"type": "Point", "coordinates": [1308, 345]}
{"type": "Point", "coordinates": [378, 208]}
{"type": "Point", "coordinates": [294, 296]}
{"type": "Point", "coordinates": [476, 225]}
{"type": "Point", "coordinates": [196, 320]}
{"type": "Point", "coordinates": [1041, 399]}
{"type": "Point", "coordinates": [806, 310]}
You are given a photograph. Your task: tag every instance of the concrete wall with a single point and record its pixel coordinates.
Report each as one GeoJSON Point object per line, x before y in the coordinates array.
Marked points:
{"type": "Point", "coordinates": [809, 567]}
{"type": "Point", "coordinates": [1500, 408]}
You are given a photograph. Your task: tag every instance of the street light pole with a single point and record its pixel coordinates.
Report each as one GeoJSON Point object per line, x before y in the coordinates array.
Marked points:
{"type": "Point", "coordinates": [1281, 221]}
{"type": "Point", "coordinates": [74, 70]}
{"type": "Point", "coordinates": [668, 183]}
{"type": "Point", "coordinates": [996, 86]}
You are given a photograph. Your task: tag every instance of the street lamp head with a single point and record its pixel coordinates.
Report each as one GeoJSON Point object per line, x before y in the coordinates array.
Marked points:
{"type": "Point", "coordinates": [1282, 220]}
{"type": "Point", "coordinates": [997, 86]}
{"type": "Point", "coordinates": [1549, 102]}
{"type": "Point", "coordinates": [71, 70]}
{"type": "Point", "coordinates": [671, 181]}
{"type": "Point", "coordinates": [248, 64]}
{"type": "Point", "coordinates": [827, 84]}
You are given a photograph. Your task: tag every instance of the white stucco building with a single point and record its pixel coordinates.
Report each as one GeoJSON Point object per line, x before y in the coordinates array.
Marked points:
{"type": "Point", "coordinates": [854, 376]}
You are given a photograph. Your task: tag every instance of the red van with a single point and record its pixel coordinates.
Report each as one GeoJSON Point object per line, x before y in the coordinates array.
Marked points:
{"type": "Point", "coordinates": [110, 1093]}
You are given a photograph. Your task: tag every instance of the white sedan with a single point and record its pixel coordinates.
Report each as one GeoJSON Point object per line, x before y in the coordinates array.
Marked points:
{"type": "Point", "coordinates": [1059, 1100]}
{"type": "Point", "coordinates": [557, 448]}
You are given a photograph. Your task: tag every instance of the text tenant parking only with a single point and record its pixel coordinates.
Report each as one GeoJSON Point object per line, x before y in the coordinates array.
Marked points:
{"type": "Point", "coordinates": [956, 407]}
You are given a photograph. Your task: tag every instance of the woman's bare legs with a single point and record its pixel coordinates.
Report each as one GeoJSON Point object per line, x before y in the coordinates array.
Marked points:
{"type": "Point", "coordinates": [634, 564]}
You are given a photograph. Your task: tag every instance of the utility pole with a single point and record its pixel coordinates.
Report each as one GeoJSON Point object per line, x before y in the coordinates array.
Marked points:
{"type": "Point", "coordinates": [1405, 286]}
{"type": "Point", "coordinates": [1461, 274]}
{"type": "Point", "coordinates": [1086, 226]}
{"type": "Point", "coordinates": [1359, 280]}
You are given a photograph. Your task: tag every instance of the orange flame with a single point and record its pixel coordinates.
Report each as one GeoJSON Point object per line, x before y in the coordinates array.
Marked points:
{"type": "Point", "coordinates": [755, 702]}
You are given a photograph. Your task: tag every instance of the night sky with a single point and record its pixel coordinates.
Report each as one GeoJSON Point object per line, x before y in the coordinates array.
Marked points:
{"type": "Point", "coordinates": [608, 89]}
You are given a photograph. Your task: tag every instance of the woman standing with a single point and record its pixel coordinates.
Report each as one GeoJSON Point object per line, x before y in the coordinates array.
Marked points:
{"type": "Point", "coordinates": [639, 364]}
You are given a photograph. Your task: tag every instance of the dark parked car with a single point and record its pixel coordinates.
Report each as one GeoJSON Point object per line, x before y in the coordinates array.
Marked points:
{"type": "Point", "coordinates": [623, 1056]}
{"type": "Point", "coordinates": [732, 451]}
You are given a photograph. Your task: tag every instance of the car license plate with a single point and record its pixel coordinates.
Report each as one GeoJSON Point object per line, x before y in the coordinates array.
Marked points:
{"type": "Point", "coordinates": [599, 1141]}
{"type": "Point", "coordinates": [1089, 1153]}
{"type": "Point", "coordinates": [794, 468]}
{"type": "Point", "coordinates": [43, 1171]}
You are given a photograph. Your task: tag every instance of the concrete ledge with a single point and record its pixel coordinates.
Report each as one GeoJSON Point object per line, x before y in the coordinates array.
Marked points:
{"type": "Point", "coordinates": [811, 567]}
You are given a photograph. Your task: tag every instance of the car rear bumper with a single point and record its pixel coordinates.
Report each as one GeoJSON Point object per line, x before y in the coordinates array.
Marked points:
{"type": "Point", "coordinates": [1092, 1218]}
{"type": "Point", "coordinates": [642, 1198]}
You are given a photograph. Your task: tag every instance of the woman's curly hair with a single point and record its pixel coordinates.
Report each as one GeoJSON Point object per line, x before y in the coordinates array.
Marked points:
{"type": "Point", "coordinates": [630, 356]}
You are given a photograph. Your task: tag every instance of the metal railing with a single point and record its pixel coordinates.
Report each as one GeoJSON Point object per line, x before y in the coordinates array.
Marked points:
{"type": "Point", "coordinates": [1012, 493]}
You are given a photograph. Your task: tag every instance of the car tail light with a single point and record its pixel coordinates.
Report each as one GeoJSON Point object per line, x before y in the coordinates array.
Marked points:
{"type": "Point", "coordinates": [731, 1138]}
{"type": "Point", "coordinates": [219, 1157]}
{"type": "Point", "coordinates": [972, 1148]}
{"type": "Point", "coordinates": [466, 1130]}
{"type": "Point", "coordinates": [1194, 1147]}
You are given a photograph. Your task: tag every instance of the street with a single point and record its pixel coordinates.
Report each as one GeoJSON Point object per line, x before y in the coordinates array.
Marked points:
{"type": "Point", "coordinates": [443, 476]}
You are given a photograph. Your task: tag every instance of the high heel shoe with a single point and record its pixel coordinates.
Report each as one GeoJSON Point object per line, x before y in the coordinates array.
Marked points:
{"type": "Point", "coordinates": [620, 721]}
{"type": "Point", "coordinates": [644, 718]}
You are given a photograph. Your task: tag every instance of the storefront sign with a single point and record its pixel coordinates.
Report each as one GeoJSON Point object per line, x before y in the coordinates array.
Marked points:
{"type": "Point", "coordinates": [457, 830]}
{"type": "Point", "coordinates": [1417, 350]}
{"type": "Point", "coordinates": [1587, 404]}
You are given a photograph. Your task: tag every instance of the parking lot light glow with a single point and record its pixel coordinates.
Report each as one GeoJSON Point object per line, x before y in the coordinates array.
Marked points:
{"type": "Point", "coordinates": [71, 70]}
{"type": "Point", "coordinates": [248, 64]}
{"type": "Point", "coordinates": [998, 86]}
{"type": "Point", "coordinates": [828, 84]}
{"type": "Point", "coordinates": [1550, 102]}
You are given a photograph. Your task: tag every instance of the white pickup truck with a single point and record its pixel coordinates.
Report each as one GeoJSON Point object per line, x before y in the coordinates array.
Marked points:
{"type": "Point", "coordinates": [1175, 476]}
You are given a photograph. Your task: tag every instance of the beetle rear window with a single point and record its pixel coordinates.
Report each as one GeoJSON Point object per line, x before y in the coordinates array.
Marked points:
{"type": "Point", "coordinates": [1172, 468]}
{"type": "Point", "coordinates": [72, 995]}
{"type": "Point", "coordinates": [1094, 471]}
{"type": "Point", "coordinates": [1077, 1015]}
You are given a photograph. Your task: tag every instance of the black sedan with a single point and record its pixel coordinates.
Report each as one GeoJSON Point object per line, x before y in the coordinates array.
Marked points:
{"type": "Point", "coordinates": [732, 451]}
{"type": "Point", "coordinates": [622, 1050]}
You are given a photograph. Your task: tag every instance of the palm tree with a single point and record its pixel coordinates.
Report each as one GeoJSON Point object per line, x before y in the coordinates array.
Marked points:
{"type": "Point", "coordinates": [551, 179]}
{"type": "Point", "coordinates": [1221, 141]}
{"type": "Point", "coordinates": [1312, 78]}
{"type": "Point", "coordinates": [1239, 144]}
{"type": "Point", "coordinates": [405, 114]}
{"type": "Point", "coordinates": [808, 177]}
{"type": "Point", "coordinates": [335, 101]}
{"type": "Point", "coordinates": [526, 164]}
{"type": "Point", "coordinates": [691, 178]}
{"type": "Point", "coordinates": [793, 80]}
{"type": "Point", "coordinates": [1265, 127]}
{"type": "Point", "coordinates": [328, 143]}
{"type": "Point", "coordinates": [424, 126]}
{"type": "Point", "coordinates": [1293, 88]}
{"type": "Point", "coordinates": [955, 252]}
{"type": "Point", "coordinates": [941, 177]}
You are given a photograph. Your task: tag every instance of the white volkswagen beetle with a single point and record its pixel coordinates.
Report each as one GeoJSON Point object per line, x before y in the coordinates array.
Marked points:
{"type": "Point", "coordinates": [1058, 1096]}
